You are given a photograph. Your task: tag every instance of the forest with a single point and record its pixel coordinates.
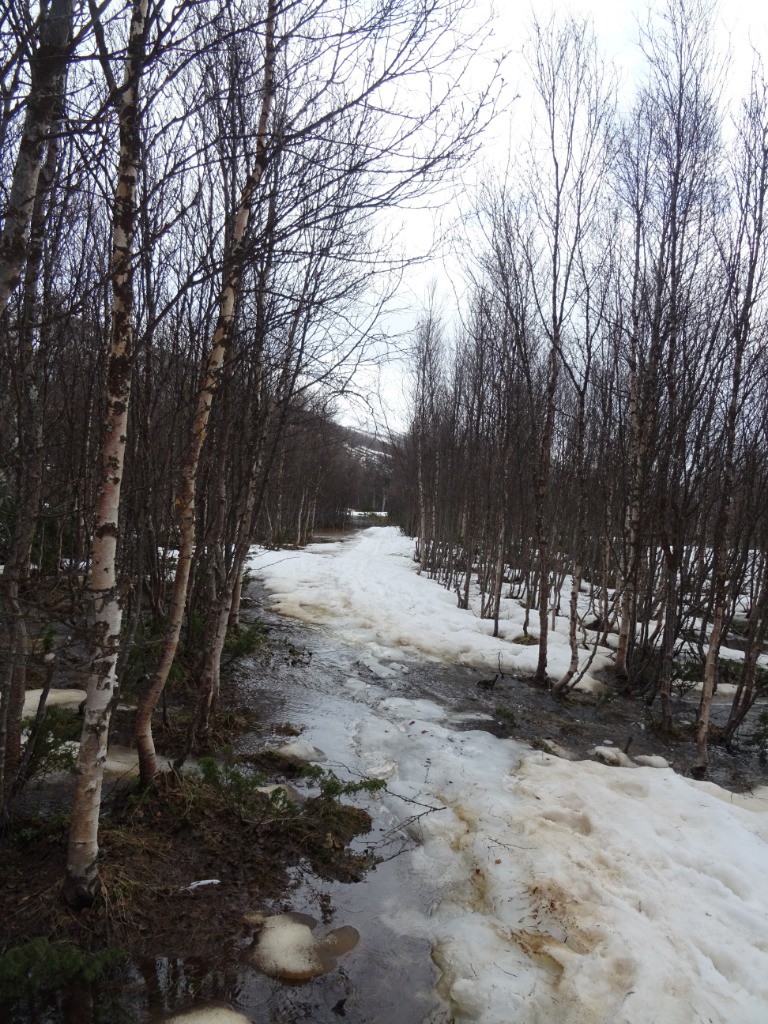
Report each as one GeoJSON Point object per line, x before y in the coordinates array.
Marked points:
{"type": "Point", "coordinates": [198, 258]}
{"type": "Point", "coordinates": [598, 423]}
{"type": "Point", "coordinates": [193, 261]}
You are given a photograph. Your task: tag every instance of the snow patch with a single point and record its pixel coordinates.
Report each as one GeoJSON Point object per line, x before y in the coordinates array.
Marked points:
{"type": "Point", "coordinates": [69, 699]}
{"type": "Point", "coordinates": [300, 750]}
{"type": "Point", "coordinates": [286, 948]}
{"type": "Point", "coordinates": [612, 756]}
{"type": "Point", "coordinates": [569, 891]}
{"type": "Point", "coordinates": [209, 1015]}
{"type": "Point", "coordinates": [124, 762]}
{"type": "Point", "coordinates": [652, 761]}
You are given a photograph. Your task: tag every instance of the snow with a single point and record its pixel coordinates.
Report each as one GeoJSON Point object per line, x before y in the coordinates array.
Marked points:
{"type": "Point", "coordinates": [610, 755]}
{"type": "Point", "coordinates": [300, 750]}
{"type": "Point", "coordinates": [123, 762]}
{"type": "Point", "coordinates": [64, 698]}
{"type": "Point", "coordinates": [286, 947]}
{"type": "Point", "coordinates": [209, 1015]}
{"type": "Point", "coordinates": [569, 891]}
{"type": "Point", "coordinates": [370, 590]}
{"type": "Point", "coordinates": [652, 761]}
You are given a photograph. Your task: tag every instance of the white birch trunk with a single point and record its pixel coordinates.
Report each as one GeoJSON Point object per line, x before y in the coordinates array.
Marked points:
{"type": "Point", "coordinates": [82, 876]}
{"type": "Point", "coordinates": [47, 68]}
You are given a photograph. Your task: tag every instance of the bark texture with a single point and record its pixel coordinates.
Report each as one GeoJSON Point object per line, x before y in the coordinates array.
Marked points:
{"type": "Point", "coordinates": [82, 881]}
{"type": "Point", "coordinates": [48, 66]}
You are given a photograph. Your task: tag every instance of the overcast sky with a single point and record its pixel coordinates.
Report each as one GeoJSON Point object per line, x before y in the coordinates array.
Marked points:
{"type": "Point", "coordinates": [741, 27]}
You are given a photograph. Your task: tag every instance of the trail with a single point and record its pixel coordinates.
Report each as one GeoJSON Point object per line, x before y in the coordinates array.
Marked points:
{"type": "Point", "coordinates": [564, 891]}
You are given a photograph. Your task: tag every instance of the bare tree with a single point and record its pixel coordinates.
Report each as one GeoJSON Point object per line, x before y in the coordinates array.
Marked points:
{"type": "Point", "coordinates": [105, 594]}
{"type": "Point", "coordinates": [47, 70]}
{"type": "Point", "coordinates": [576, 99]}
{"type": "Point", "coordinates": [222, 338]}
{"type": "Point", "coordinates": [745, 266]}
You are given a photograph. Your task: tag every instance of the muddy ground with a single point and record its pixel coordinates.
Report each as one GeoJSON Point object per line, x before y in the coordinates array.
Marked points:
{"type": "Point", "coordinates": [178, 945]}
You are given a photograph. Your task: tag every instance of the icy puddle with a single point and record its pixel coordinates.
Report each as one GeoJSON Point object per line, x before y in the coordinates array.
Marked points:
{"type": "Point", "coordinates": [330, 692]}
{"type": "Point", "coordinates": [388, 974]}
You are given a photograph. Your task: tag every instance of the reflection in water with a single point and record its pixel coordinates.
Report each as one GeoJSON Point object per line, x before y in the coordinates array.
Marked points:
{"type": "Point", "coordinates": [387, 976]}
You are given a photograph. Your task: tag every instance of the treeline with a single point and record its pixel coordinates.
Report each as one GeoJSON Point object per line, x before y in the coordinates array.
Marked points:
{"type": "Point", "coordinates": [598, 426]}
{"type": "Point", "coordinates": [193, 260]}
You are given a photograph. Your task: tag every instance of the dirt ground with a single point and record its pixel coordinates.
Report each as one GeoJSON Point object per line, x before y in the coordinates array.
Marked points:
{"type": "Point", "coordinates": [155, 844]}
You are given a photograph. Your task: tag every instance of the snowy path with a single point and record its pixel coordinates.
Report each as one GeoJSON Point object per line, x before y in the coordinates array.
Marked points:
{"type": "Point", "coordinates": [571, 893]}
{"type": "Point", "coordinates": [368, 588]}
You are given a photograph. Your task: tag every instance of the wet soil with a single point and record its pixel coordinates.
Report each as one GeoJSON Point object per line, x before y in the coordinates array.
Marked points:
{"type": "Point", "coordinates": [184, 947]}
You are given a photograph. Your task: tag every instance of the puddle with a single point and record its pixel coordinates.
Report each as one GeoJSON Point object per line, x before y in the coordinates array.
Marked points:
{"type": "Point", "coordinates": [388, 976]}
{"type": "Point", "coordinates": [323, 689]}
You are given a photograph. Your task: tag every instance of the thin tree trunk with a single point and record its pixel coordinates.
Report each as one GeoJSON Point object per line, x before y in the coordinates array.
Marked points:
{"type": "Point", "coordinates": [499, 574]}
{"type": "Point", "coordinates": [219, 348]}
{"type": "Point", "coordinates": [237, 593]}
{"type": "Point", "coordinates": [82, 882]}
{"type": "Point", "coordinates": [670, 622]}
{"type": "Point", "coordinates": [47, 70]}
{"type": "Point", "coordinates": [638, 442]}
{"type": "Point", "coordinates": [29, 476]}
{"type": "Point", "coordinates": [542, 529]}
{"type": "Point", "coordinates": [579, 543]}
{"type": "Point", "coordinates": [746, 691]}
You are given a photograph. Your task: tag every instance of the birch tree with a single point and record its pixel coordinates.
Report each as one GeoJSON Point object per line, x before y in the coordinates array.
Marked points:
{"type": "Point", "coordinates": [329, 72]}
{"type": "Point", "coordinates": [82, 882]}
{"type": "Point", "coordinates": [221, 341]}
{"type": "Point", "coordinates": [47, 70]}
{"type": "Point", "coordinates": [745, 271]}
{"type": "Point", "coordinates": [576, 100]}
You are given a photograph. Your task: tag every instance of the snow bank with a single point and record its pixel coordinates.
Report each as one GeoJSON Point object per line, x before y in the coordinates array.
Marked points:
{"type": "Point", "coordinates": [579, 892]}
{"type": "Point", "coordinates": [369, 588]}
{"type": "Point", "coordinates": [571, 892]}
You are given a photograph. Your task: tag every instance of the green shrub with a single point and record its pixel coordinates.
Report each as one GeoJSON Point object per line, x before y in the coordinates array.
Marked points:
{"type": "Point", "coordinates": [331, 786]}
{"type": "Point", "coordinates": [242, 641]}
{"type": "Point", "coordinates": [42, 966]}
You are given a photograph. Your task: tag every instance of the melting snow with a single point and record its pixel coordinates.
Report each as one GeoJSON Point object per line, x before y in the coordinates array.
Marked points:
{"type": "Point", "coordinates": [571, 891]}
{"type": "Point", "coordinates": [300, 750]}
{"type": "Point", "coordinates": [63, 698]}
{"type": "Point", "coordinates": [286, 948]}
{"type": "Point", "coordinates": [209, 1015]}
